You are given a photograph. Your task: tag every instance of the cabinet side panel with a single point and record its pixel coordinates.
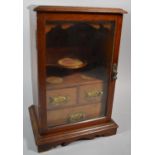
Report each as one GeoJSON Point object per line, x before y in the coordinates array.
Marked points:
{"type": "Point", "coordinates": [41, 40]}
{"type": "Point", "coordinates": [34, 70]}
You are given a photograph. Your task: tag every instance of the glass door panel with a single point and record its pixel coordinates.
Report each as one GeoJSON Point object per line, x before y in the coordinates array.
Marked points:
{"type": "Point", "coordinates": [78, 63]}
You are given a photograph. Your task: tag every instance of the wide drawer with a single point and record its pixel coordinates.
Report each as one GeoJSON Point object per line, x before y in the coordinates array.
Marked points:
{"type": "Point", "coordinates": [61, 97]}
{"type": "Point", "coordinates": [91, 93]}
{"type": "Point", "coordinates": [73, 114]}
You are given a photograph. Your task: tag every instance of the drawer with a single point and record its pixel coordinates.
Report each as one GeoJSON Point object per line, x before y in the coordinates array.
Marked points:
{"type": "Point", "coordinates": [91, 93]}
{"type": "Point", "coordinates": [73, 114]}
{"type": "Point", "coordinates": [61, 97]}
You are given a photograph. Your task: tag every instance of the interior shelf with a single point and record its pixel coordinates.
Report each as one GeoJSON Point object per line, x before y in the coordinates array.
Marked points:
{"type": "Point", "coordinates": [67, 78]}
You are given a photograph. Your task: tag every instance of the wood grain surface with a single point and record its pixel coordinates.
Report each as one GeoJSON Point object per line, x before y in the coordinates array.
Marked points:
{"type": "Point", "coordinates": [78, 9]}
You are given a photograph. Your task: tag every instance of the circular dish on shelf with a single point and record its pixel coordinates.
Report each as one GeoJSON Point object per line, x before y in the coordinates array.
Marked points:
{"type": "Point", "coordinates": [85, 77]}
{"type": "Point", "coordinates": [71, 63]}
{"type": "Point", "coordinates": [54, 80]}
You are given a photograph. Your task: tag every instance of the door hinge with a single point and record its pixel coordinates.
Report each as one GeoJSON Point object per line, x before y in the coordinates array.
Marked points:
{"type": "Point", "coordinates": [114, 71]}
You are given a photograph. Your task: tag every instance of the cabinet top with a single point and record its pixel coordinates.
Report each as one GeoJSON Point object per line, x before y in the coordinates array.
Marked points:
{"type": "Point", "coordinates": [79, 9]}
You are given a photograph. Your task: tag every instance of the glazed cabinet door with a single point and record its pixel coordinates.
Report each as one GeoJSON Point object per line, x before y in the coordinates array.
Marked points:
{"type": "Point", "coordinates": [78, 67]}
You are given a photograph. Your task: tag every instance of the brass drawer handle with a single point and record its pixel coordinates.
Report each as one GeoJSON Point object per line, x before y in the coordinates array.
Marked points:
{"type": "Point", "coordinates": [93, 93]}
{"type": "Point", "coordinates": [76, 117]}
{"type": "Point", "coordinates": [58, 100]}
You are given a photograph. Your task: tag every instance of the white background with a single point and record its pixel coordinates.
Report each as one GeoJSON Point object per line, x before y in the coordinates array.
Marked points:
{"type": "Point", "coordinates": [143, 84]}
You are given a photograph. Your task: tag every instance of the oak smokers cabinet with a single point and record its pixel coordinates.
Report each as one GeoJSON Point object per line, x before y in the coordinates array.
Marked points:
{"type": "Point", "coordinates": [74, 68]}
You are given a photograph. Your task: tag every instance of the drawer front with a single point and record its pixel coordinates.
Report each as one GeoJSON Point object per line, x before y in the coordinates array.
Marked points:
{"type": "Point", "coordinates": [61, 97]}
{"type": "Point", "coordinates": [73, 114]}
{"type": "Point", "coordinates": [91, 93]}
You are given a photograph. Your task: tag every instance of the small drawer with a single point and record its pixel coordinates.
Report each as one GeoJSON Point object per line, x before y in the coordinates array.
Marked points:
{"type": "Point", "coordinates": [73, 114]}
{"type": "Point", "coordinates": [61, 97]}
{"type": "Point", "coordinates": [91, 93]}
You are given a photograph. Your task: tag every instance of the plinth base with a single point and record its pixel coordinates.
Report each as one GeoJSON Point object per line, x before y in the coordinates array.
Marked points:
{"type": "Point", "coordinates": [50, 140]}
